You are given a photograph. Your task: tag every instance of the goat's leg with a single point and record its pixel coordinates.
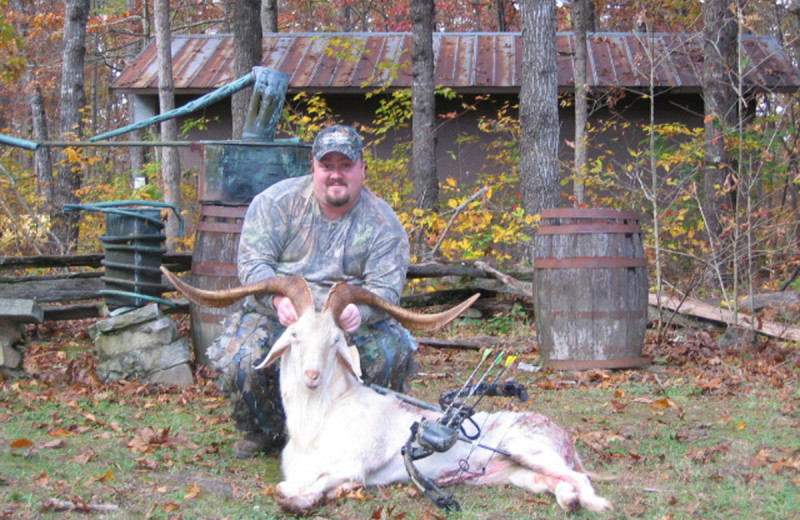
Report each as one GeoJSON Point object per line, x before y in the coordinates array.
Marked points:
{"type": "Point", "coordinates": [534, 482]}
{"type": "Point", "coordinates": [301, 498]}
{"type": "Point", "coordinates": [294, 499]}
{"type": "Point", "coordinates": [548, 471]}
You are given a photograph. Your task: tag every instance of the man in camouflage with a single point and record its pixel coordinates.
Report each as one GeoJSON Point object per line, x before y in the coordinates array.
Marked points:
{"type": "Point", "coordinates": [326, 227]}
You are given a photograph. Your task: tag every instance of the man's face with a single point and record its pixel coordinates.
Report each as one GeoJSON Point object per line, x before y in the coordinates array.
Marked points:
{"type": "Point", "coordinates": [338, 181]}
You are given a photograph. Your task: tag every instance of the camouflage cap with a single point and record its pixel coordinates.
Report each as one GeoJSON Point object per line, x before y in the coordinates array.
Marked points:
{"type": "Point", "coordinates": [338, 138]}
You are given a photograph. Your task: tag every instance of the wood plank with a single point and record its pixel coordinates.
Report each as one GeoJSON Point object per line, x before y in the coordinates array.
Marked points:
{"type": "Point", "coordinates": [433, 270]}
{"type": "Point", "coordinates": [711, 312]}
{"type": "Point", "coordinates": [59, 290]}
{"type": "Point", "coordinates": [443, 297]}
{"type": "Point", "coordinates": [475, 343]}
{"type": "Point", "coordinates": [95, 310]}
{"type": "Point", "coordinates": [184, 260]}
{"type": "Point", "coordinates": [774, 299]}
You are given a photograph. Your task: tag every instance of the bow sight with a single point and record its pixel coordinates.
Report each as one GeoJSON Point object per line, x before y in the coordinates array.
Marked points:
{"type": "Point", "coordinates": [428, 437]}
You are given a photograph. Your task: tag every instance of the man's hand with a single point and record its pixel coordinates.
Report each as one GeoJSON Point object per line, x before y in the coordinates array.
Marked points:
{"type": "Point", "coordinates": [350, 318]}
{"type": "Point", "coordinates": [287, 314]}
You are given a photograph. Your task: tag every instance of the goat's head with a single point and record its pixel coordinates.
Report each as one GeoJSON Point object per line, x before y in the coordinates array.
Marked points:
{"type": "Point", "coordinates": [312, 346]}
{"type": "Point", "coordinates": [316, 338]}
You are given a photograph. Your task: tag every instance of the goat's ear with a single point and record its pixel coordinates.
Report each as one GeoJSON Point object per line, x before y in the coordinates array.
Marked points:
{"type": "Point", "coordinates": [278, 349]}
{"type": "Point", "coordinates": [350, 358]}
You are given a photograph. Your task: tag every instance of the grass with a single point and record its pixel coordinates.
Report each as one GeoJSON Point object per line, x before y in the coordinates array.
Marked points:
{"type": "Point", "coordinates": [702, 434]}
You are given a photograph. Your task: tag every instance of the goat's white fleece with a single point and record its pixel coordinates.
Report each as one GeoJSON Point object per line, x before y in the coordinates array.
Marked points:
{"type": "Point", "coordinates": [344, 435]}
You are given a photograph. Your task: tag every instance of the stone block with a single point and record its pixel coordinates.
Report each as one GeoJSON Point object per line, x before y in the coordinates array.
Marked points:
{"type": "Point", "coordinates": [144, 361]}
{"type": "Point", "coordinates": [180, 375]}
{"type": "Point", "coordinates": [128, 319]}
{"type": "Point", "coordinates": [20, 310]}
{"type": "Point", "coordinates": [9, 357]}
{"type": "Point", "coordinates": [10, 334]}
{"type": "Point", "coordinates": [145, 345]}
{"type": "Point", "coordinates": [144, 336]}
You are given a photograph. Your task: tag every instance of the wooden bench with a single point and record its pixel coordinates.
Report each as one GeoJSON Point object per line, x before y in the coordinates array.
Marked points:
{"type": "Point", "coordinates": [13, 313]}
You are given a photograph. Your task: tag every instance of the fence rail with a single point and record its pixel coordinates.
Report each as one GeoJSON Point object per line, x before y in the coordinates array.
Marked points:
{"type": "Point", "coordinates": [69, 294]}
{"type": "Point", "coordinates": [72, 291]}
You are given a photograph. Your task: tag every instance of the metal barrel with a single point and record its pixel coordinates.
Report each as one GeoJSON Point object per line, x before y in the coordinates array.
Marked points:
{"type": "Point", "coordinates": [133, 247]}
{"type": "Point", "coordinates": [133, 251]}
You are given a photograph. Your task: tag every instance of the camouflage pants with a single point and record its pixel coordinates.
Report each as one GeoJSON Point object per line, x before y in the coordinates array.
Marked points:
{"type": "Point", "coordinates": [386, 351]}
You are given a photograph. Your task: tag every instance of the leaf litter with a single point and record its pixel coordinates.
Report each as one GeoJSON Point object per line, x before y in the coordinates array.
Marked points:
{"type": "Point", "coordinates": [652, 407]}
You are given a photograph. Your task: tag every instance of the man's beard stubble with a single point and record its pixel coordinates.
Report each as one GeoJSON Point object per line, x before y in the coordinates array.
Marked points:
{"type": "Point", "coordinates": [337, 201]}
{"type": "Point", "coordinates": [334, 201]}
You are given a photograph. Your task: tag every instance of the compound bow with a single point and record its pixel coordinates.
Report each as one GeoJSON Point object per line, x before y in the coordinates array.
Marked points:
{"type": "Point", "coordinates": [429, 437]}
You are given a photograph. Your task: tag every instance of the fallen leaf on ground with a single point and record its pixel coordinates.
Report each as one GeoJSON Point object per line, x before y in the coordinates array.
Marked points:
{"type": "Point", "coordinates": [194, 491]}
{"type": "Point", "coordinates": [22, 443]}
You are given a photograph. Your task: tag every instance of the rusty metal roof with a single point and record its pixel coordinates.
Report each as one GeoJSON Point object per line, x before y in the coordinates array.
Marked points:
{"type": "Point", "coordinates": [467, 62]}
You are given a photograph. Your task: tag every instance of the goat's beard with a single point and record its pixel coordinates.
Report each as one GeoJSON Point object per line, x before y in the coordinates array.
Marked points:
{"type": "Point", "coordinates": [306, 416]}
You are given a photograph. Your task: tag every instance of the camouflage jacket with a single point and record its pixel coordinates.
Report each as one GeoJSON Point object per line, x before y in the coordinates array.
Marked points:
{"type": "Point", "coordinates": [285, 233]}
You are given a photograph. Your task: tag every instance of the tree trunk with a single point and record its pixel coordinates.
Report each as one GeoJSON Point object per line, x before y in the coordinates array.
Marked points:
{"type": "Point", "coordinates": [246, 55]}
{"type": "Point", "coordinates": [719, 42]}
{"type": "Point", "coordinates": [719, 35]}
{"type": "Point", "coordinates": [73, 99]}
{"type": "Point", "coordinates": [43, 161]}
{"type": "Point", "coordinates": [170, 161]}
{"type": "Point", "coordinates": [580, 14]}
{"type": "Point", "coordinates": [500, 5]}
{"type": "Point", "coordinates": [423, 157]}
{"type": "Point", "coordinates": [346, 17]}
{"type": "Point", "coordinates": [136, 154]}
{"type": "Point", "coordinates": [269, 16]}
{"type": "Point", "coordinates": [539, 125]}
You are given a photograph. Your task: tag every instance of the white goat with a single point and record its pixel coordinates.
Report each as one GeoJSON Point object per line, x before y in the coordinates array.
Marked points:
{"type": "Point", "coordinates": [344, 435]}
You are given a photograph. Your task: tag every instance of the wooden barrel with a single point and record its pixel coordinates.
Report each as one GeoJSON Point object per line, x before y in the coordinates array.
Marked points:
{"type": "Point", "coordinates": [590, 289]}
{"type": "Point", "coordinates": [233, 173]}
{"type": "Point", "coordinates": [214, 267]}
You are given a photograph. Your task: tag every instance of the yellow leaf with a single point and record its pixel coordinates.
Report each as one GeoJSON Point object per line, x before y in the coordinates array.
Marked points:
{"type": "Point", "coordinates": [663, 403]}
{"type": "Point", "coordinates": [194, 491]}
{"type": "Point", "coordinates": [106, 477]}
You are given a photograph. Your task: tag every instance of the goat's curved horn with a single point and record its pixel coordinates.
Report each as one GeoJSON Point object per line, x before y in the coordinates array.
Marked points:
{"type": "Point", "coordinates": [342, 294]}
{"type": "Point", "coordinates": [293, 287]}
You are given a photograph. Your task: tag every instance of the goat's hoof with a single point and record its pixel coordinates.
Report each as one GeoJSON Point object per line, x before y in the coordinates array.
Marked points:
{"type": "Point", "coordinates": [296, 505]}
{"type": "Point", "coordinates": [293, 501]}
{"type": "Point", "coordinates": [567, 497]}
{"type": "Point", "coordinates": [597, 504]}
